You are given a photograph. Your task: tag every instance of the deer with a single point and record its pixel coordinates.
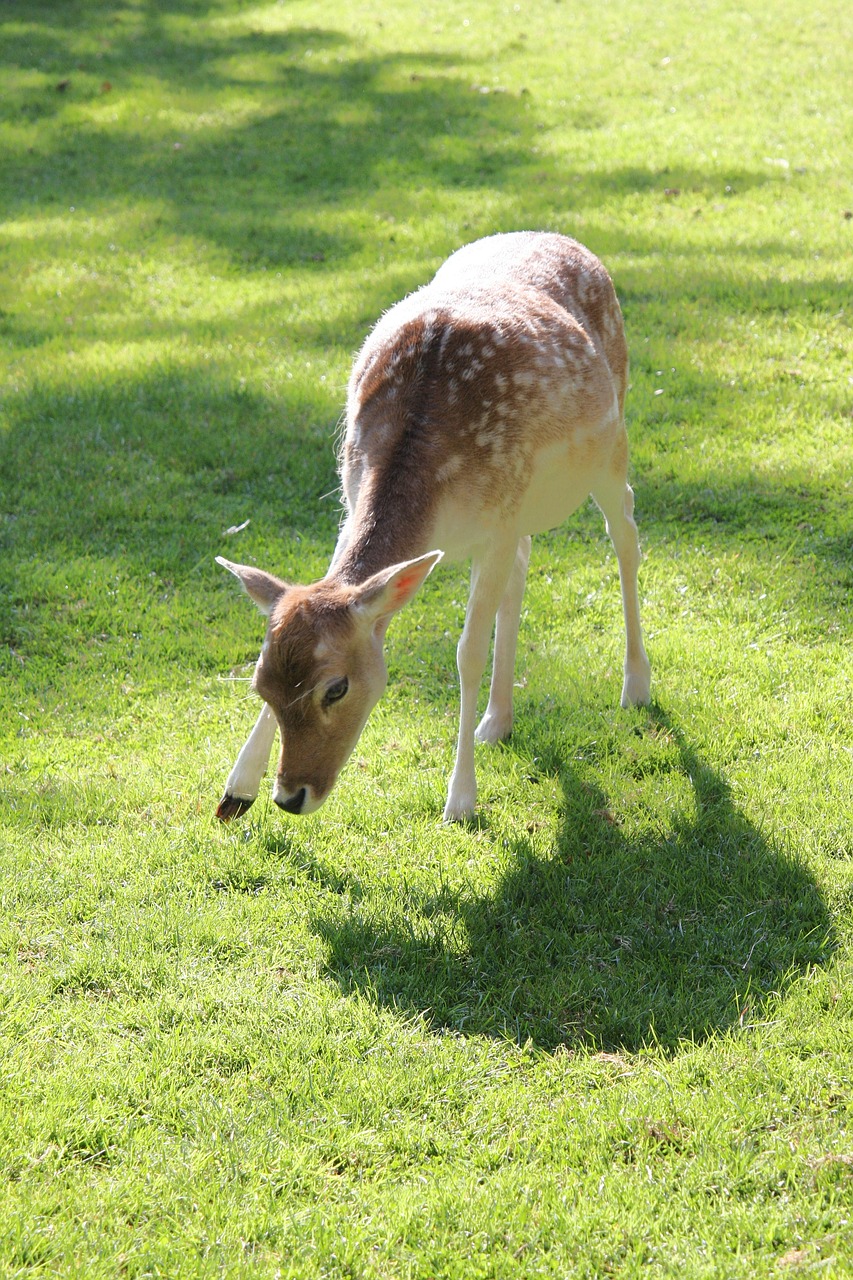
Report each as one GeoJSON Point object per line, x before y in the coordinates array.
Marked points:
{"type": "Point", "coordinates": [482, 409]}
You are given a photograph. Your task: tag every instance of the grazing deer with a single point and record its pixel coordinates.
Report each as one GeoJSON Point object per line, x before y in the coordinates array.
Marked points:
{"type": "Point", "coordinates": [483, 408]}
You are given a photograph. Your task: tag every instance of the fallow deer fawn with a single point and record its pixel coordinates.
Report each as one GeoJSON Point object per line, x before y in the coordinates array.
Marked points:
{"type": "Point", "coordinates": [482, 409]}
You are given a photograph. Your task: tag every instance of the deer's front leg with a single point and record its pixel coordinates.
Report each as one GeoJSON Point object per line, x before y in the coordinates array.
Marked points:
{"type": "Point", "coordinates": [489, 577]}
{"type": "Point", "coordinates": [244, 780]}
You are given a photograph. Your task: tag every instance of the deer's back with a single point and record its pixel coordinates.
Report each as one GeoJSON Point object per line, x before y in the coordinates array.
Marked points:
{"type": "Point", "coordinates": [511, 359]}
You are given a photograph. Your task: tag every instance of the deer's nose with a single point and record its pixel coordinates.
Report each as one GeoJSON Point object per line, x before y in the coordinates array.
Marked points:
{"type": "Point", "coordinates": [291, 804]}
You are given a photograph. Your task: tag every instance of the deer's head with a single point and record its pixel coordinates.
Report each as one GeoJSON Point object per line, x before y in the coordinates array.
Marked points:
{"type": "Point", "coordinates": [322, 667]}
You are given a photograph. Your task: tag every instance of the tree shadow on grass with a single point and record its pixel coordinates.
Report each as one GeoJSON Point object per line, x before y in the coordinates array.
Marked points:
{"type": "Point", "coordinates": [266, 182]}
{"type": "Point", "coordinates": [318, 133]}
{"type": "Point", "coordinates": [162, 461]}
{"type": "Point", "coordinates": [608, 942]}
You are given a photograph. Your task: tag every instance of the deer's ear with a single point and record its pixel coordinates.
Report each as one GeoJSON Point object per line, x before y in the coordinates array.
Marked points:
{"type": "Point", "coordinates": [263, 588]}
{"type": "Point", "coordinates": [380, 597]}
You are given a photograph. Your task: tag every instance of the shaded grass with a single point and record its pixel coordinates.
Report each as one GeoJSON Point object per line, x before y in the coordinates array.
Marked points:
{"type": "Point", "coordinates": [535, 958]}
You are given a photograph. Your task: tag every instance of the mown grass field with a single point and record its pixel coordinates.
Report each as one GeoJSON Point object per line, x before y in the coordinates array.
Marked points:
{"type": "Point", "coordinates": [605, 1030]}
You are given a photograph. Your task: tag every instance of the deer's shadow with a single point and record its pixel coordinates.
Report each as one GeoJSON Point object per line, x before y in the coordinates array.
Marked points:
{"type": "Point", "coordinates": [602, 940]}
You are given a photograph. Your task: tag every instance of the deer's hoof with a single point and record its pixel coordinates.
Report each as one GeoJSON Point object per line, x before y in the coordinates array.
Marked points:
{"type": "Point", "coordinates": [232, 806]}
{"type": "Point", "coordinates": [460, 808]}
{"type": "Point", "coordinates": [493, 728]}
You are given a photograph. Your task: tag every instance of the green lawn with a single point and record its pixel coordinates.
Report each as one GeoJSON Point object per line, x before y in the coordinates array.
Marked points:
{"type": "Point", "coordinates": [604, 1030]}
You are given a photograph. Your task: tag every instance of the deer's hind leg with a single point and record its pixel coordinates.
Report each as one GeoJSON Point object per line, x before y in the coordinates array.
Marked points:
{"type": "Point", "coordinates": [497, 721]}
{"type": "Point", "coordinates": [615, 499]}
{"type": "Point", "coordinates": [491, 569]}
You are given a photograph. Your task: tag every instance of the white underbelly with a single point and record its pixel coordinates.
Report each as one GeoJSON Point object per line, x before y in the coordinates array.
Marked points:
{"type": "Point", "coordinates": [556, 487]}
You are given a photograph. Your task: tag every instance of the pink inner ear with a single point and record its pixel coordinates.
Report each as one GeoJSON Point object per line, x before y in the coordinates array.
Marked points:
{"type": "Point", "coordinates": [403, 586]}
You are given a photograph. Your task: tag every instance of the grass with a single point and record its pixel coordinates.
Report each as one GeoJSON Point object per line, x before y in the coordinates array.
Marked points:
{"type": "Point", "coordinates": [605, 1029]}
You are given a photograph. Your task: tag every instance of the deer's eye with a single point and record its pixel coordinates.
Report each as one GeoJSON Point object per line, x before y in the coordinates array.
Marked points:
{"type": "Point", "coordinates": [336, 691]}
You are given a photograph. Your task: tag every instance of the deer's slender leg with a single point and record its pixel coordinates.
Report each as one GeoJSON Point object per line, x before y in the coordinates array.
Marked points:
{"type": "Point", "coordinates": [615, 498]}
{"type": "Point", "coordinates": [244, 780]}
{"type": "Point", "coordinates": [497, 721]}
{"type": "Point", "coordinates": [490, 573]}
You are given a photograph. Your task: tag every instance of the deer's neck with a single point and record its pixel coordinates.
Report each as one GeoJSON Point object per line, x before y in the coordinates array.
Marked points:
{"type": "Point", "coordinates": [390, 523]}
